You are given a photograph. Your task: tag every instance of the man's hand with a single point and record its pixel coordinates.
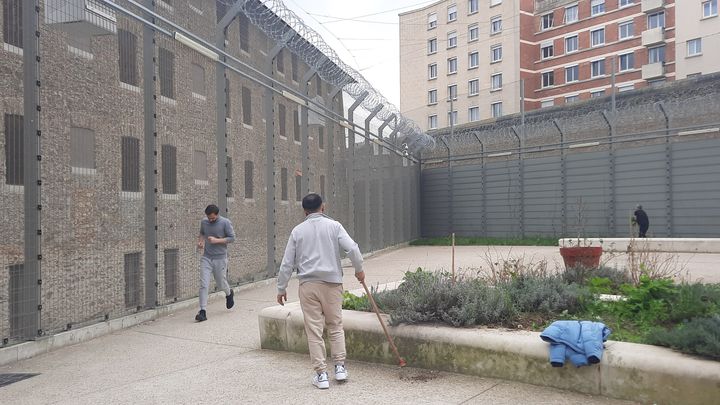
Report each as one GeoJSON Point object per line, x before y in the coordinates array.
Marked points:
{"type": "Point", "coordinates": [215, 240]}
{"type": "Point", "coordinates": [360, 276]}
{"type": "Point", "coordinates": [200, 244]}
{"type": "Point", "coordinates": [282, 298]}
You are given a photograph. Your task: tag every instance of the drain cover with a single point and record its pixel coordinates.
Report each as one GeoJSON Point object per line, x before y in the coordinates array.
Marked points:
{"type": "Point", "coordinates": [7, 379]}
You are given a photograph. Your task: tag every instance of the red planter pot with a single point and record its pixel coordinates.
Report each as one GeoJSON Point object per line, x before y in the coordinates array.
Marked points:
{"type": "Point", "coordinates": [588, 257]}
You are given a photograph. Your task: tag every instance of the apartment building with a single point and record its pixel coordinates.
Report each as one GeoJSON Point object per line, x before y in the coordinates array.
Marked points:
{"type": "Point", "coordinates": [465, 51]}
{"type": "Point", "coordinates": [697, 38]}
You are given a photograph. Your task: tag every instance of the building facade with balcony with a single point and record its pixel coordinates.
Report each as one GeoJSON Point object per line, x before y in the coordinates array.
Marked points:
{"type": "Point", "coordinates": [697, 38]}
{"type": "Point", "coordinates": [464, 50]}
{"type": "Point", "coordinates": [572, 49]}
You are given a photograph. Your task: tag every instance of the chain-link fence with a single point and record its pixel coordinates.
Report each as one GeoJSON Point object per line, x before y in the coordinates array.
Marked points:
{"type": "Point", "coordinates": [122, 120]}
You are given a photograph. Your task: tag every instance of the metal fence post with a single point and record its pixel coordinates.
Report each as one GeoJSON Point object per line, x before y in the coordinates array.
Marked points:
{"type": "Point", "coordinates": [668, 172]}
{"type": "Point", "coordinates": [150, 147]}
{"type": "Point", "coordinates": [611, 155]}
{"type": "Point", "coordinates": [30, 306]}
{"type": "Point", "coordinates": [563, 179]}
{"type": "Point", "coordinates": [351, 171]}
{"type": "Point", "coordinates": [305, 133]}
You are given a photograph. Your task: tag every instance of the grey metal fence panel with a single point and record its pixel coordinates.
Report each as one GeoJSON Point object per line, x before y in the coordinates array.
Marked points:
{"type": "Point", "coordinates": [375, 215]}
{"type": "Point", "coordinates": [543, 196]}
{"type": "Point", "coordinates": [434, 205]}
{"type": "Point", "coordinates": [588, 192]}
{"type": "Point", "coordinates": [502, 198]}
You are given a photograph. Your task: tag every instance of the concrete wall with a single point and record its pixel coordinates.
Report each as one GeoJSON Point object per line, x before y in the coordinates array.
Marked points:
{"type": "Point", "coordinates": [692, 25]}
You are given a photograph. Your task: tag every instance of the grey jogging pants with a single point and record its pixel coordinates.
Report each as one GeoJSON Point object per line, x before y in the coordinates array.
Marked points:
{"type": "Point", "coordinates": [218, 268]}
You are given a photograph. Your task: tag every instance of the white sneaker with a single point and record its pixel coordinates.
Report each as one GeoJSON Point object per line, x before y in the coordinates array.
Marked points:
{"type": "Point", "coordinates": [341, 373]}
{"type": "Point", "coordinates": [321, 381]}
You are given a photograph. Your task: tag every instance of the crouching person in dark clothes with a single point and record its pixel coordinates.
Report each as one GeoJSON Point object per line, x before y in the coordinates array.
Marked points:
{"type": "Point", "coordinates": [642, 220]}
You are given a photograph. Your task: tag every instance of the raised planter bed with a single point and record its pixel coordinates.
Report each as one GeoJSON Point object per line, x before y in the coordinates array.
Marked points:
{"type": "Point", "coordinates": [628, 371]}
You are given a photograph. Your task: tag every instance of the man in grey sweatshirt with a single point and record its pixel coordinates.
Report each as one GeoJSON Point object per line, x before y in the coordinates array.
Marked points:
{"type": "Point", "coordinates": [215, 233]}
{"type": "Point", "coordinates": [314, 250]}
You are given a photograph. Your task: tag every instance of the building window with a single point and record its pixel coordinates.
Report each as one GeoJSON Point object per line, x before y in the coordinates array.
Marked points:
{"type": "Point", "coordinates": [298, 187]}
{"type": "Point", "coordinates": [452, 92]}
{"type": "Point", "coordinates": [548, 79]}
{"type": "Point", "coordinates": [656, 54]}
{"type": "Point", "coordinates": [626, 61]}
{"type": "Point", "coordinates": [547, 103]}
{"type": "Point", "coordinates": [133, 290]}
{"type": "Point", "coordinates": [495, 25]}
{"type": "Point", "coordinates": [625, 3]}
{"type": "Point", "coordinates": [280, 62]}
{"type": "Point", "coordinates": [12, 22]}
{"type": "Point", "coordinates": [318, 86]}
{"type": "Point", "coordinates": [452, 13]}
{"type": "Point", "coordinates": [452, 118]}
{"type": "Point", "coordinates": [571, 14]}
{"type": "Point", "coordinates": [452, 39]}
{"type": "Point", "coordinates": [473, 87]}
{"type": "Point", "coordinates": [432, 71]}
{"type": "Point", "coordinates": [248, 179]}
{"type": "Point", "coordinates": [627, 87]}
{"type": "Point", "coordinates": [168, 155]}
{"type": "Point", "coordinates": [167, 73]}
{"type": "Point", "coordinates": [597, 7]}
{"type": "Point", "coordinates": [282, 125]}
{"type": "Point", "coordinates": [82, 148]}
{"type": "Point", "coordinates": [546, 21]}
{"type": "Point", "coordinates": [473, 33]}
{"type": "Point", "coordinates": [432, 21]}
{"type": "Point", "coordinates": [432, 97]}
{"type": "Point", "coordinates": [495, 2]}
{"type": "Point", "coordinates": [597, 37]}
{"type": "Point", "coordinates": [452, 66]}
{"type": "Point", "coordinates": [15, 299]}
{"type": "Point", "coordinates": [283, 184]}
{"type": "Point", "coordinates": [127, 46]}
{"type": "Point", "coordinates": [572, 99]}
{"type": "Point", "coordinates": [473, 60]}
{"type": "Point", "coordinates": [710, 8]}
{"type": "Point", "coordinates": [170, 266]}
{"type": "Point", "coordinates": [296, 125]}
{"type": "Point", "coordinates": [571, 44]}
{"type": "Point", "coordinates": [571, 74]}
{"type": "Point", "coordinates": [626, 30]}
{"type": "Point", "coordinates": [14, 149]}
{"type": "Point", "coordinates": [432, 46]}
{"type": "Point", "coordinates": [322, 186]}
{"type": "Point", "coordinates": [246, 106]}
{"type": "Point", "coordinates": [197, 73]}
{"type": "Point", "coordinates": [597, 93]}
{"type": "Point", "coordinates": [432, 122]}
{"type": "Point", "coordinates": [495, 53]}
{"type": "Point", "coordinates": [496, 81]}
{"type": "Point", "coordinates": [473, 114]}
{"type": "Point", "coordinates": [130, 166]}
{"type": "Point", "coordinates": [547, 50]}
{"type": "Point", "coordinates": [472, 6]}
{"type": "Point", "coordinates": [496, 109]}
{"type": "Point", "coordinates": [597, 68]}
{"type": "Point", "coordinates": [294, 67]}
{"type": "Point", "coordinates": [656, 20]}
{"type": "Point", "coordinates": [200, 171]}
{"type": "Point", "coordinates": [321, 138]}
{"type": "Point", "coordinates": [694, 47]}
{"type": "Point", "coordinates": [244, 32]}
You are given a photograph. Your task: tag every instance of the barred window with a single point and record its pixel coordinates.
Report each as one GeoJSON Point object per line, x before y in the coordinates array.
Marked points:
{"type": "Point", "coordinates": [296, 126]}
{"type": "Point", "coordinates": [130, 164]}
{"type": "Point", "coordinates": [127, 47]}
{"type": "Point", "coordinates": [14, 149]}
{"type": "Point", "coordinates": [244, 32]}
{"type": "Point", "coordinates": [170, 260]}
{"type": "Point", "coordinates": [246, 106]}
{"type": "Point", "coordinates": [248, 179]}
{"type": "Point", "coordinates": [281, 120]}
{"type": "Point", "coordinates": [229, 167]}
{"type": "Point", "coordinates": [298, 187]}
{"type": "Point", "coordinates": [132, 280]}
{"type": "Point", "coordinates": [167, 73]}
{"type": "Point", "coordinates": [283, 184]}
{"type": "Point", "coordinates": [169, 169]}
{"type": "Point", "coordinates": [12, 22]}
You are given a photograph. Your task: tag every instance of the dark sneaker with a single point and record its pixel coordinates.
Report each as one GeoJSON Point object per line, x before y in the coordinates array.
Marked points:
{"type": "Point", "coordinates": [229, 300]}
{"type": "Point", "coordinates": [201, 316]}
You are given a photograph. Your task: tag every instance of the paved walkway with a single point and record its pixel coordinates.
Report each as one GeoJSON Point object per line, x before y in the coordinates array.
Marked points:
{"type": "Point", "coordinates": [175, 360]}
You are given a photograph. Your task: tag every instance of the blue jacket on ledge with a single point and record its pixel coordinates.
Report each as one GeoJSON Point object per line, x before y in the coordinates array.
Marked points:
{"type": "Point", "coordinates": [579, 341]}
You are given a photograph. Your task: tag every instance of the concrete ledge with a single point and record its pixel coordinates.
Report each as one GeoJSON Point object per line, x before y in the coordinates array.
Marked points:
{"type": "Point", "coordinates": [45, 344]}
{"type": "Point", "coordinates": [670, 245]}
{"type": "Point", "coordinates": [628, 371]}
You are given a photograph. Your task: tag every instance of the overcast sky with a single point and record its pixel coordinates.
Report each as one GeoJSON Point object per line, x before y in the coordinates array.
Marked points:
{"type": "Point", "coordinates": [363, 33]}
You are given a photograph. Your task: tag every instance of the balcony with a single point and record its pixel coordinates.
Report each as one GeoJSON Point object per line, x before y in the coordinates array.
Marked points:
{"type": "Point", "coordinates": [652, 5]}
{"type": "Point", "coordinates": [653, 36]}
{"type": "Point", "coordinates": [81, 17]}
{"type": "Point", "coordinates": [653, 71]}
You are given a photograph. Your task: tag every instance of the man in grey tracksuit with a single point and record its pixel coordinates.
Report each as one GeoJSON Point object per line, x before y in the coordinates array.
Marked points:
{"type": "Point", "coordinates": [215, 233]}
{"type": "Point", "coordinates": [314, 250]}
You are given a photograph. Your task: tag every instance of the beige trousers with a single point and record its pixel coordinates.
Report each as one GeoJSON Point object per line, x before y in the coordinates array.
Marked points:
{"type": "Point", "coordinates": [321, 305]}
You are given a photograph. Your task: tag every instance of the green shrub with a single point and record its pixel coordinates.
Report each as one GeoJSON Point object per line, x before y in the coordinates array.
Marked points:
{"type": "Point", "coordinates": [648, 303]}
{"type": "Point", "coordinates": [699, 336]}
{"type": "Point", "coordinates": [355, 303]}
{"type": "Point", "coordinates": [694, 301]}
{"type": "Point", "coordinates": [582, 275]}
